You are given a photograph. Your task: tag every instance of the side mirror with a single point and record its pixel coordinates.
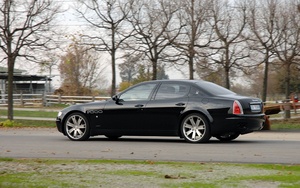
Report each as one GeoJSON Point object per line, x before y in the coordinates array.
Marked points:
{"type": "Point", "coordinates": [115, 98]}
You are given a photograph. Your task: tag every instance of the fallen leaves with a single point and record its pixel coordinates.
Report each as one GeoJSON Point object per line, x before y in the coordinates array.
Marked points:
{"type": "Point", "coordinates": [175, 177]}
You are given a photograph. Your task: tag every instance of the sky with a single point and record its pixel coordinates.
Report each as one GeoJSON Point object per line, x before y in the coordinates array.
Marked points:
{"type": "Point", "coordinates": [69, 24]}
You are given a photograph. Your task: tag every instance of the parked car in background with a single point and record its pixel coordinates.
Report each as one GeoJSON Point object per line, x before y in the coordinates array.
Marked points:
{"type": "Point", "coordinates": [191, 109]}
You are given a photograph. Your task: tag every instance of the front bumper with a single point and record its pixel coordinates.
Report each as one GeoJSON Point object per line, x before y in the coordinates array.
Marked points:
{"type": "Point", "coordinates": [59, 125]}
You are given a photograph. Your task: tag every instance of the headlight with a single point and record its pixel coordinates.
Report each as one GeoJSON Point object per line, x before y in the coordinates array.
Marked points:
{"type": "Point", "coordinates": [59, 114]}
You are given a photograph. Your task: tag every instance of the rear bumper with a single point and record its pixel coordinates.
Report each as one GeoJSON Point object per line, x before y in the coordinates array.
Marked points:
{"type": "Point", "coordinates": [242, 124]}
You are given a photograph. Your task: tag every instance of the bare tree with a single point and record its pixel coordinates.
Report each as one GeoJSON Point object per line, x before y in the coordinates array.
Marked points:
{"type": "Point", "coordinates": [152, 20]}
{"type": "Point", "coordinates": [261, 19]}
{"type": "Point", "coordinates": [107, 18]}
{"type": "Point", "coordinates": [23, 33]}
{"type": "Point", "coordinates": [288, 47]}
{"type": "Point", "coordinates": [196, 33]}
{"type": "Point", "coordinates": [228, 21]}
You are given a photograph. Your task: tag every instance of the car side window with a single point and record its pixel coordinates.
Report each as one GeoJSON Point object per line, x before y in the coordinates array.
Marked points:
{"type": "Point", "coordinates": [196, 92]}
{"type": "Point", "coordinates": [141, 92]}
{"type": "Point", "coordinates": [172, 90]}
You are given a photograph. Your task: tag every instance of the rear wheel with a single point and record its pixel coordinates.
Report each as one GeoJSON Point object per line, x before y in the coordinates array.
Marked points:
{"type": "Point", "coordinates": [228, 137]}
{"type": "Point", "coordinates": [77, 127]}
{"type": "Point", "coordinates": [195, 128]}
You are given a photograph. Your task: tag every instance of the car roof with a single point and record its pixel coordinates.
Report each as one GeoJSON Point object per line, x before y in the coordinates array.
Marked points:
{"type": "Point", "coordinates": [176, 80]}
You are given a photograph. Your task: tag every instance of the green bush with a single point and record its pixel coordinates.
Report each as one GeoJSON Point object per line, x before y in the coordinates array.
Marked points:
{"type": "Point", "coordinates": [9, 123]}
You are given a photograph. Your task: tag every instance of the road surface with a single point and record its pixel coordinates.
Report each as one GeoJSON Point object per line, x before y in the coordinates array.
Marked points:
{"type": "Point", "coordinates": [257, 147]}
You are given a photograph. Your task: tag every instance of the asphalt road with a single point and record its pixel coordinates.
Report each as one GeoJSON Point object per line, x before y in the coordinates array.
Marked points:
{"type": "Point", "coordinates": [258, 147]}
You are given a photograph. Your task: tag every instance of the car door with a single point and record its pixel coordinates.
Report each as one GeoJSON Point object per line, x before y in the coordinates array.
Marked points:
{"type": "Point", "coordinates": [124, 113]}
{"type": "Point", "coordinates": [163, 111]}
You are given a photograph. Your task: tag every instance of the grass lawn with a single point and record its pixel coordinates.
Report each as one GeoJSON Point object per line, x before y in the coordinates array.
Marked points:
{"type": "Point", "coordinates": [285, 124]}
{"type": "Point", "coordinates": [29, 123]}
{"type": "Point", "coordinates": [118, 173]}
{"type": "Point", "coordinates": [26, 113]}
{"type": "Point", "coordinates": [279, 123]}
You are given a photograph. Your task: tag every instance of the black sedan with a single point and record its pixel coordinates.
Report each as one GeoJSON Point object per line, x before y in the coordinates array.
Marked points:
{"type": "Point", "coordinates": [191, 109]}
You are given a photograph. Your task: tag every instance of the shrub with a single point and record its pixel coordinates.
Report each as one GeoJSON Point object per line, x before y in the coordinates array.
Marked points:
{"type": "Point", "coordinates": [9, 123]}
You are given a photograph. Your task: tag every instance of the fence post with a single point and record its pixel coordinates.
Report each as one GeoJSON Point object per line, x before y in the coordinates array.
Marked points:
{"type": "Point", "coordinates": [21, 99]}
{"type": "Point", "coordinates": [287, 110]}
{"type": "Point", "coordinates": [44, 100]}
{"type": "Point", "coordinates": [59, 99]}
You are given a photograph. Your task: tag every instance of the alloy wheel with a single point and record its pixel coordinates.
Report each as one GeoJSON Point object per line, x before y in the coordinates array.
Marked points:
{"type": "Point", "coordinates": [76, 127]}
{"type": "Point", "coordinates": [195, 128]}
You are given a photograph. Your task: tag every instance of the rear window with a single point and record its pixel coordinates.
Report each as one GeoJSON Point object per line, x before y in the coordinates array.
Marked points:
{"type": "Point", "coordinates": [214, 89]}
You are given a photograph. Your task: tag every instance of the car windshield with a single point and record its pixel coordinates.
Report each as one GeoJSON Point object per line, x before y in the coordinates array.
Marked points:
{"type": "Point", "coordinates": [214, 89]}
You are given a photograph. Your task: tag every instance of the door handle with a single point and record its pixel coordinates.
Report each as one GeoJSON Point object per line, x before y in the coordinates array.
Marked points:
{"type": "Point", "coordinates": [139, 105]}
{"type": "Point", "coordinates": [180, 104]}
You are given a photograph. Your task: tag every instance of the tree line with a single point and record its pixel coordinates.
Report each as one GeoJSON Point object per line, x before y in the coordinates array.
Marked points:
{"type": "Point", "coordinates": [228, 39]}
{"type": "Point", "coordinates": [223, 41]}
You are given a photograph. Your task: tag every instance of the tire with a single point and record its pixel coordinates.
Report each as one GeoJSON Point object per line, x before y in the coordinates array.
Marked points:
{"type": "Point", "coordinates": [228, 137]}
{"type": "Point", "coordinates": [77, 127]}
{"type": "Point", "coordinates": [195, 128]}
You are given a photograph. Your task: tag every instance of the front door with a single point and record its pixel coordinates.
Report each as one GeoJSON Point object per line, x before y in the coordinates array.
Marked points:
{"type": "Point", "coordinates": [125, 113]}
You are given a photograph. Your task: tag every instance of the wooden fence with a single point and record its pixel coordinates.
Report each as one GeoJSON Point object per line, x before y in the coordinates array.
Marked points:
{"type": "Point", "coordinates": [59, 99]}
{"type": "Point", "coordinates": [25, 100]}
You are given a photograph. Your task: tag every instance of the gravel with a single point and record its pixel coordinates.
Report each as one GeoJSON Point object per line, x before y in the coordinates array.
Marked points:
{"type": "Point", "coordinates": [138, 174]}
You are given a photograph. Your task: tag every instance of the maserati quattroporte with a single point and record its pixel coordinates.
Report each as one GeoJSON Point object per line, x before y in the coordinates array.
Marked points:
{"type": "Point", "coordinates": [194, 110]}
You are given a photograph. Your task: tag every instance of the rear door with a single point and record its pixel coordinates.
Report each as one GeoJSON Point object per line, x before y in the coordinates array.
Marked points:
{"type": "Point", "coordinates": [163, 111]}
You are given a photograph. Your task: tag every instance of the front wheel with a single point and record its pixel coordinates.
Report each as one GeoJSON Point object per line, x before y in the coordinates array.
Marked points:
{"type": "Point", "coordinates": [195, 128]}
{"type": "Point", "coordinates": [77, 127]}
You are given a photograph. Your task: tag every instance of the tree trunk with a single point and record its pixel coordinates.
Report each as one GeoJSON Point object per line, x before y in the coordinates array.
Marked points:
{"type": "Point", "coordinates": [191, 67]}
{"type": "Point", "coordinates": [113, 60]}
{"type": "Point", "coordinates": [265, 81]}
{"type": "Point", "coordinates": [287, 80]}
{"type": "Point", "coordinates": [113, 66]}
{"type": "Point", "coordinates": [154, 71]}
{"type": "Point", "coordinates": [227, 66]}
{"type": "Point", "coordinates": [10, 65]}
{"type": "Point", "coordinates": [192, 47]}
{"type": "Point", "coordinates": [227, 81]}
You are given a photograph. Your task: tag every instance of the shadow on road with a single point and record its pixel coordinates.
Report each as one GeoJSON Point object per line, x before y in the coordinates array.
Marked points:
{"type": "Point", "coordinates": [171, 140]}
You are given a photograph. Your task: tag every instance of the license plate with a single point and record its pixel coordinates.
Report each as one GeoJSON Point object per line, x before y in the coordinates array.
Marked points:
{"type": "Point", "coordinates": [255, 107]}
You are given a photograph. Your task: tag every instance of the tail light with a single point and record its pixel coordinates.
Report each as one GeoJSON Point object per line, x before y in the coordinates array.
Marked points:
{"type": "Point", "coordinates": [237, 108]}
